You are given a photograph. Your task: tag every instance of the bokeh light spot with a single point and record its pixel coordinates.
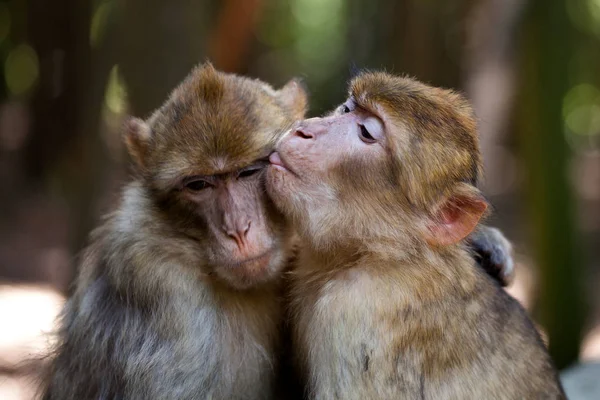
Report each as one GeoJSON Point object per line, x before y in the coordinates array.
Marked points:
{"type": "Point", "coordinates": [321, 35]}
{"type": "Point", "coordinates": [581, 110]}
{"type": "Point", "coordinates": [594, 10]}
{"type": "Point", "coordinates": [585, 15]}
{"type": "Point", "coordinates": [99, 23]}
{"type": "Point", "coordinates": [21, 69]}
{"type": "Point", "coordinates": [116, 93]}
{"type": "Point", "coordinates": [316, 13]}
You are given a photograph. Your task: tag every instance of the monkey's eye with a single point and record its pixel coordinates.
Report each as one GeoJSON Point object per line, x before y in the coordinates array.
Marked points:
{"type": "Point", "coordinates": [252, 170]}
{"type": "Point", "coordinates": [365, 136]}
{"type": "Point", "coordinates": [196, 185]}
{"type": "Point", "coordinates": [348, 106]}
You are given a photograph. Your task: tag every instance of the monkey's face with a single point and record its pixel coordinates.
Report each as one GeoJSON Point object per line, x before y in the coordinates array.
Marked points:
{"type": "Point", "coordinates": [390, 162]}
{"type": "Point", "coordinates": [246, 239]}
{"type": "Point", "coordinates": [326, 169]}
{"type": "Point", "coordinates": [203, 156]}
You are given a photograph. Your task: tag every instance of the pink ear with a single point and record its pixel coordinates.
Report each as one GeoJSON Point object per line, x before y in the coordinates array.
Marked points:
{"type": "Point", "coordinates": [457, 218]}
{"type": "Point", "coordinates": [294, 96]}
{"type": "Point", "coordinates": [136, 135]}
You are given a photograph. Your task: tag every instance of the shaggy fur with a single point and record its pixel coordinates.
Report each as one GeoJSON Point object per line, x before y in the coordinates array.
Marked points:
{"type": "Point", "coordinates": [161, 310]}
{"type": "Point", "coordinates": [379, 309]}
{"type": "Point", "coordinates": [158, 310]}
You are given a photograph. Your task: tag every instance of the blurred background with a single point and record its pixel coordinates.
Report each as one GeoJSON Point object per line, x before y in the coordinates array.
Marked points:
{"type": "Point", "coordinates": [72, 70]}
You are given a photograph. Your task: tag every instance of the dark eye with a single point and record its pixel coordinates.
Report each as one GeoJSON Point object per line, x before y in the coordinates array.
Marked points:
{"type": "Point", "coordinates": [248, 172]}
{"type": "Point", "coordinates": [197, 185]}
{"type": "Point", "coordinates": [348, 106]}
{"type": "Point", "coordinates": [365, 135]}
{"type": "Point", "coordinates": [253, 170]}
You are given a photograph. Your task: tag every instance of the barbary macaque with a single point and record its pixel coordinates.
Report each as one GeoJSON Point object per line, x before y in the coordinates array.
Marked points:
{"type": "Point", "coordinates": [180, 293]}
{"type": "Point", "coordinates": [387, 302]}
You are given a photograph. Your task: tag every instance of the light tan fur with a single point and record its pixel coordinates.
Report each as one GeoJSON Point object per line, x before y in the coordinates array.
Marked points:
{"type": "Point", "coordinates": [179, 294]}
{"type": "Point", "coordinates": [387, 302]}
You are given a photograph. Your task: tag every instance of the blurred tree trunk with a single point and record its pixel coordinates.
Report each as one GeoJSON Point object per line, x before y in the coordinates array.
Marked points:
{"type": "Point", "coordinates": [489, 67]}
{"type": "Point", "coordinates": [65, 149]}
{"type": "Point", "coordinates": [424, 39]}
{"type": "Point", "coordinates": [162, 41]}
{"type": "Point", "coordinates": [159, 44]}
{"type": "Point", "coordinates": [59, 32]}
{"type": "Point", "coordinates": [546, 53]}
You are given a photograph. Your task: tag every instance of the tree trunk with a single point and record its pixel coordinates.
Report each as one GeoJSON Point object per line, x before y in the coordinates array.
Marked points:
{"type": "Point", "coordinates": [160, 43]}
{"type": "Point", "coordinates": [65, 148]}
{"type": "Point", "coordinates": [546, 53]}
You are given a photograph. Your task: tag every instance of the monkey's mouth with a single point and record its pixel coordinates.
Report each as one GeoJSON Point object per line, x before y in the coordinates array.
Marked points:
{"type": "Point", "coordinates": [278, 163]}
{"type": "Point", "coordinates": [252, 262]}
{"type": "Point", "coordinates": [247, 273]}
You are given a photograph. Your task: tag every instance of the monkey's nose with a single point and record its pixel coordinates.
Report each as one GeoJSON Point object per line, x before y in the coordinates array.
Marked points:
{"type": "Point", "coordinates": [303, 133]}
{"type": "Point", "coordinates": [240, 234]}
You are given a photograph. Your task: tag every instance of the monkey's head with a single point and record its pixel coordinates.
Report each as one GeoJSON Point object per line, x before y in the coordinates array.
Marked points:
{"type": "Point", "coordinates": [399, 160]}
{"type": "Point", "coordinates": [202, 157]}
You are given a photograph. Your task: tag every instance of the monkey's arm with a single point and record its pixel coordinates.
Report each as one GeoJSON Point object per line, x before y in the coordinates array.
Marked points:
{"type": "Point", "coordinates": [493, 252]}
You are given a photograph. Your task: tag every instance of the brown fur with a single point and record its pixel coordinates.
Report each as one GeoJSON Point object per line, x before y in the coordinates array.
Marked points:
{"type": "Point", "coordinates": [165, 306]}
{"type": "Point", "coordinates": [380, 311]}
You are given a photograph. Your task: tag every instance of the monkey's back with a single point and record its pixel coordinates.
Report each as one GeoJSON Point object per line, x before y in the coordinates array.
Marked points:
{"type": "Point", "coordinates": [362, 335]}
{"type": "Point", "coordinates": [488, 349]}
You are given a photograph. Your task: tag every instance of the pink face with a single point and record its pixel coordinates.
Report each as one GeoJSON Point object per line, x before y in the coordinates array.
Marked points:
{"type": "Point", "coordinates": [246, 241]}
{"type": "Point", "coordinates": [335, 177]}
{"type": "Point", "coordinates": [301, 178]}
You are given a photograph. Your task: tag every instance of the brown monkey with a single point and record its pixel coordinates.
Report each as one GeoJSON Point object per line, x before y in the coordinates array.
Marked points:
{"type": "Point", "coordinates": [386, 300]}
{"type": "Point", "coordinates": [178, 295]}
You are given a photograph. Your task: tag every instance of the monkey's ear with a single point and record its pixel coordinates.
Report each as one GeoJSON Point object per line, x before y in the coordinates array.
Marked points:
{"type": "Point", "coordinates": [295, 97]}
{"type": "Point", "coordinates": [455, 220]}
{"type": "Point", "coordinates": [136, 134]}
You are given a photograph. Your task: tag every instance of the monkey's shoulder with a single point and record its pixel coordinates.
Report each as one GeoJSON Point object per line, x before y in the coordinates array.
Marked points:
{"type": "Point", "coordinates": [462, 345]}
{"type": "Point", "coordinates": [478, 343]}
{"type": "Point", "coordinates": [491, 346]}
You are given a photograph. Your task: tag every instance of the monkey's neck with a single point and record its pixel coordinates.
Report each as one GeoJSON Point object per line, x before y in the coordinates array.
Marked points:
{"type": "Point", "coordinates": [421, 272]}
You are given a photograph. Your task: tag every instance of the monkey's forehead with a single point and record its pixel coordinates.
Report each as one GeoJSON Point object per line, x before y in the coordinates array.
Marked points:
{"type": "Point", "coordinates": [219, 144]}
{"type": "Point", "coordinates": [427, 110]}
{"type": "Point", "coordinates": [219, 98]}
{"type": "Point", "coordinates": [226, 136]}
{"type": "Point", "coordinates": [217, 116]}
{"type": "Point", "coordinates": [404, 93]}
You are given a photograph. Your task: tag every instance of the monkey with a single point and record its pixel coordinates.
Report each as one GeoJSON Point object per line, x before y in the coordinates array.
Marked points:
{"type": "Point", "coordinates": [180, 293]}
{"type": "Point", "coordinates": [386, 300]}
